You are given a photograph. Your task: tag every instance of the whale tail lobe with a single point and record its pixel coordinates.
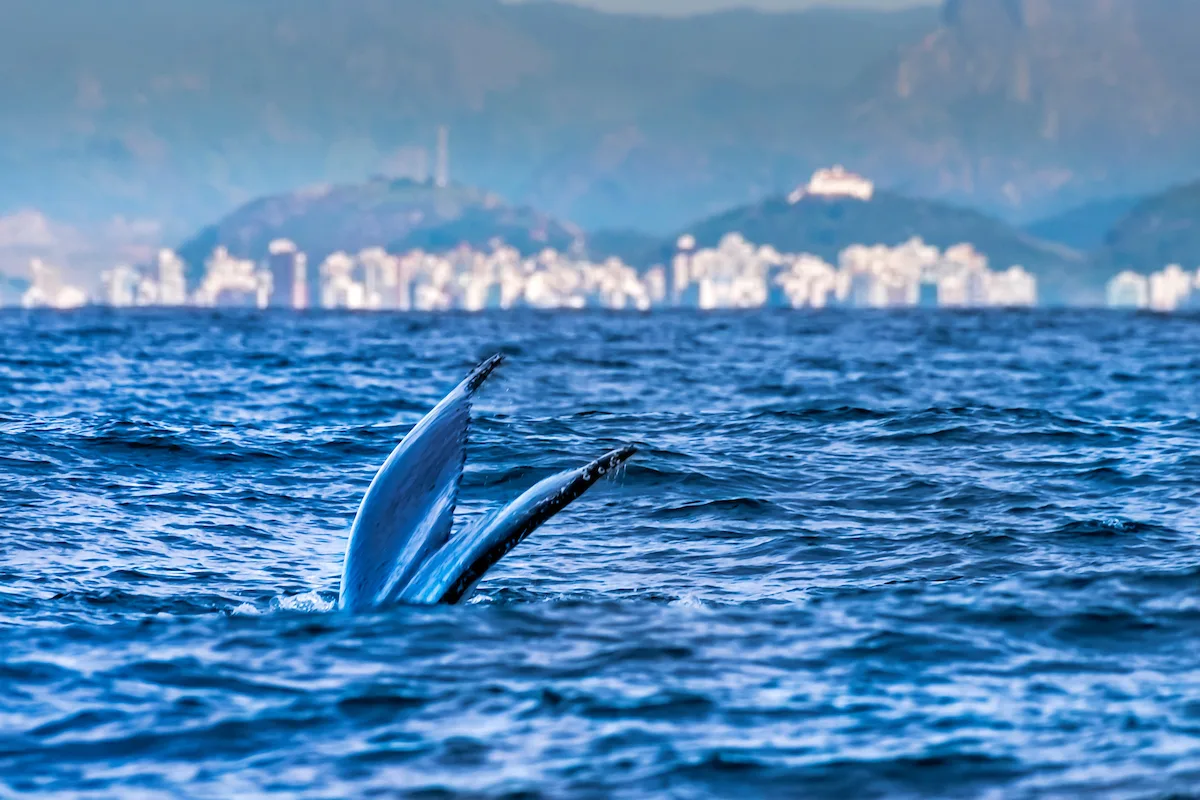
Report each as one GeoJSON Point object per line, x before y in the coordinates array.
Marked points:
{"type": "Point", "coordinates": [400, 547]}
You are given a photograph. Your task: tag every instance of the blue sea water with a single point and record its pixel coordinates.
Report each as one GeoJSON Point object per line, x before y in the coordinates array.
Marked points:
{"type": "Point", "coordinates": [858, 555]}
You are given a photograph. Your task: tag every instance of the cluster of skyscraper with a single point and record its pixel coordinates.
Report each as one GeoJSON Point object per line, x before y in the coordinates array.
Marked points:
{"type": "Point", "coordinates": [464, 279]}
{"type": "Point", "coordinates": [735, 274]}
{"type": "Point", "coordinates": [1170, 289]}
{"type": "Point", "coordinates": [738, 274]}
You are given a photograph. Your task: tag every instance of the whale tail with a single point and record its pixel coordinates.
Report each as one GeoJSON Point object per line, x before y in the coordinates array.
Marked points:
{"type": "Point", "coordinates": [400, 547]}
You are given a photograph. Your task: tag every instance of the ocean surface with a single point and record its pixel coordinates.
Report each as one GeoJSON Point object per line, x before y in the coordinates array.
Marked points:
{"type": "Point", "coordinates": [858, 555]}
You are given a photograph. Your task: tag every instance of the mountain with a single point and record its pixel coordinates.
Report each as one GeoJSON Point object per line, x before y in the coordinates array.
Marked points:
{"type": "Point", "coordinates": [1161, 230]}
{"type": "Point", "coordinates": [825, 226]}
{"type": "Point", "coordinates": [182, 111]}
{"type": "Point", "coordinates": [634, 247]}
{"type": "Point", "coordinates": [685, 8]}
{"type": "Point", "coordinates": [1029, 105]}
{"type": "Point", "coordinates": [1083, 227]}
{"type": "Point", "coordinates": [403, 215]}
{"type": "Point", "coordinates": [179, 112]}
{"type": "Point", "coordinates": [397, 214]}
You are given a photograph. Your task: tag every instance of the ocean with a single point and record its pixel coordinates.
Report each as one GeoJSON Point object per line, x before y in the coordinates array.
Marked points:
{"type": "Point", "coordinates": [859, 554]}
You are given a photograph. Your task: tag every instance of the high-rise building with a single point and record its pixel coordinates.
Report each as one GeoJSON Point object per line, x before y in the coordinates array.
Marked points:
{"type": "Point", "coordinates": [381, 278]}
{"type": "Point", "coordinates": [340, 287]}
{"type": "Point", "coordinates": [1129, 290]}
{"type": "Point", "coordinates": [172, 286]}
{"type": "Point", "coordinates": [231, 282]}
{"type": "Point", "coordinates": [120, 286]}
{"type": "Point", "coordinates": [1170, 288]}
{"type": "Point", "coordinates": [442, 175]}
{"type": "Point", "coordinates": [47, 289]}
{"type": "Point", "coordinates": [977, 290]}
{"type": "Point", "coordinates": [862, 287]}
{"type": "Point", "coordinates": [289, 275]}
{"type": "Point", "coordinates": [680, 274]}
{"type": "Point", "coordinates": [1013, 288]}
{"type": "Point", "coordinates": [147, 291]}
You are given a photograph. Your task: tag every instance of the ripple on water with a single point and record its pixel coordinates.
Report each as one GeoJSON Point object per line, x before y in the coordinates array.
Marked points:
{"type": "Point", "coordinates": [857, 555]}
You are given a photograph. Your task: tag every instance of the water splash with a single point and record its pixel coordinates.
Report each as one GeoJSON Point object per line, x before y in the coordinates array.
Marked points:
{"type": "Point", "coordinates": [306, 603]}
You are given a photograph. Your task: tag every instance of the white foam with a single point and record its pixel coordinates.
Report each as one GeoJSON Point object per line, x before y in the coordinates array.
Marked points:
{"type": "Point", "coordinates": [308, 602]}
{"type": "Point", "coordinates": [688, 601]}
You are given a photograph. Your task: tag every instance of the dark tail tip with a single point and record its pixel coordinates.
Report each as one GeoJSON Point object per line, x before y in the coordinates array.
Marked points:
{"type": "Point", "coordinates": [610, 461]}
{"type": "Point", "coordinates": [481, 373]}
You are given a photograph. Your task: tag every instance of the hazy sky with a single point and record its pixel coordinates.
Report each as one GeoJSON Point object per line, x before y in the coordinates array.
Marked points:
{"type": "Point", "coordinates": [682, 7]}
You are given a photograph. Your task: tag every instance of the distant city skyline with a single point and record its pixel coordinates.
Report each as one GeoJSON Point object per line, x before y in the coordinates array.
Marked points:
{"type": "Point", "coordinates": [736, 274]}
{"type": "Point", "coordinates": [1049, 134]}
{"type": "Point", "coordinates": [683, 8]}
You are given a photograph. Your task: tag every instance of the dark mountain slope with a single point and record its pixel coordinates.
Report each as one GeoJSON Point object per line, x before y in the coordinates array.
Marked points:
{"type": "Point", "coordinates": [826, 226]}
{"type": "Point", "coordinates": [399, 214]}
{"type": "Point", "coordinates": [1161, 230]}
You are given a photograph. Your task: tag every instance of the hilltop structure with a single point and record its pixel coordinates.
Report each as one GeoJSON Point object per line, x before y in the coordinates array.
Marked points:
{"type": "Point", "coordinates": [834, 182]}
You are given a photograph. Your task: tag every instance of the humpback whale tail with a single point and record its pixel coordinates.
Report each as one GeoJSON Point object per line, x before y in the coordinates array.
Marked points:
{"type": "Point", "coordinates": [401, 549]}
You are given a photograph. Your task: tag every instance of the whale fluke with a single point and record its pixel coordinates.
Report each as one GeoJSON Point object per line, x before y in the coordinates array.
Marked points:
{"type": "Point", "coordinates": [407, 511]}
{"type": "Point", "coordinates": [451, 574]}
{"type": "Point", "coordinates": [400, 548]}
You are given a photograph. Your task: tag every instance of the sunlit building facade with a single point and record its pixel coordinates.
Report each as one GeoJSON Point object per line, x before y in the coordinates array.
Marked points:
{"type": "Point", "coordinates": [1170, 289]}
{"type": "Point", "coordinates": [48, 290]}
{"type": "Point", "coordinates": [734, 274]}
{"type": "Point", "coordinates": [288, 270]}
